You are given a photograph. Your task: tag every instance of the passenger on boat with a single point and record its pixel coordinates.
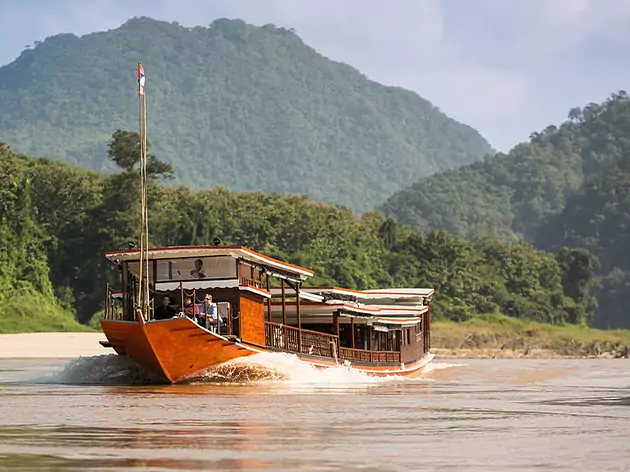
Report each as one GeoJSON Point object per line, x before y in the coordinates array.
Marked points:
{"type": "Point", "coordinates": [165, 310]}
{"type": "Point", "coordinates": [208, 308]}
{"type": "Point", "coordinates": [190, 309]}
{"type": "Point", "coordinates": [197, 272]}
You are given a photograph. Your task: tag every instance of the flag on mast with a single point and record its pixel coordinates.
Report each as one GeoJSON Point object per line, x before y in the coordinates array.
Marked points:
{"type": "Point", "coordinates": [140, 78]}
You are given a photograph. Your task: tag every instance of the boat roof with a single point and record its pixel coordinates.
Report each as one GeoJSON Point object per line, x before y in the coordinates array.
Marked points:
{"type": "Point", "coordinates": [237, 252]}
{"type": "Point", "coordinates": [408, 294]}
{"type": "Point", "coordinates": [391, 306]}
{"type": "Point", "coordinates": [385, 314]}
{"type": "Point", "coordinates": [371, 311]}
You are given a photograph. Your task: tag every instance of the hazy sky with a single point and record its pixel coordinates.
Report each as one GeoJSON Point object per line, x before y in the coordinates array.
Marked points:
{"type": "Point", "coordinates": [505, 67]}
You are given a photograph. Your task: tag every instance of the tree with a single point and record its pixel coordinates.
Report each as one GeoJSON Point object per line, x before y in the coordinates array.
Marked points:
{"type": "Point", "coordinates": [575, 114]}
{"type": "Point", "coordinates": [579, 276]}
{"type": "Point", "coordinates": [388, 232]}
{"type": "Point", "coordinates": [125, 150]}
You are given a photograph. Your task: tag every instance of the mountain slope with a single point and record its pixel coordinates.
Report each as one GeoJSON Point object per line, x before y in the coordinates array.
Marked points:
{"type": "Point", "coordinates": [233, 104]}
{"type": "Point", "coordinates": [513, 194]}
{"type": "Point", "coordinates": [597, 218]}
{"type": "Point", "coordinates": [568, 188]}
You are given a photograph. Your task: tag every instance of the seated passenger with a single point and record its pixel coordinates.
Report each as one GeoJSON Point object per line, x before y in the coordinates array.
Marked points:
{"type": "Point", "coordinates": [165, 310]}
{"type": "Point", "coordinates": [208, 309]}
{"type": "Point", "coordinates": [190, 309]}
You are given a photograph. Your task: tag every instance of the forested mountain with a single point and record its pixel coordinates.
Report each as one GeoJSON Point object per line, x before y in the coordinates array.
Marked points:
{"type": "Point", "coordinates": [57, 220]}
{"type": "Point", "coordinates": [513, 194]}
{"type": "Point", "coordinates": [597, 218]}
{"type": "Point", "coordinates": [567, 187]}
{"type": "Point", "coordinates": [250, 108]}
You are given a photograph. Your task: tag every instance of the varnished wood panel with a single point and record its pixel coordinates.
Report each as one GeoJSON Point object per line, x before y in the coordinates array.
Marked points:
{"type": "Point", "coordinates": [414, 350]}
{"type": "Point", "coordinates": [252, 318]}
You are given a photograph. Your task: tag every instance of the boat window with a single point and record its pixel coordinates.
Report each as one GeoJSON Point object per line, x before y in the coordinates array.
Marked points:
{"type": "Point", "coordinates": [195, 268]}
{"type": "Point", "coordinates": [134, 268]}
{"type": "Point", "coordinates": [408, 335]}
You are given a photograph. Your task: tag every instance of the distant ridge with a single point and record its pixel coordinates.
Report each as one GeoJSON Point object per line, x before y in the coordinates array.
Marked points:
{"type": "Point", "coordinates": [251, 108]}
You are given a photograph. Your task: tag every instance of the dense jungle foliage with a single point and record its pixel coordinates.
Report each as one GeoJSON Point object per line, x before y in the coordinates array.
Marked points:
{"type": "Point", "coordinates": [57, 220]}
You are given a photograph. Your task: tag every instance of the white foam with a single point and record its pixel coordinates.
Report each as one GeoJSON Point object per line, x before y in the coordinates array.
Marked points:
{"type": "Point", "coordinates": [279, 368]}
{"type": "Point", "coordinates": [106, 369]}
{"type": "Point", "coordinates": [433, 366]}
{"type": "Point", "coordinates": [288, 369]}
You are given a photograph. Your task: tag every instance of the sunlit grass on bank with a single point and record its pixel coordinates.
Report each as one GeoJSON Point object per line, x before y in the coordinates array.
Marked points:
{"type": "Point", "coordinates": [29, 312]}
{"type": "Point", "coordinates": [495, 332]}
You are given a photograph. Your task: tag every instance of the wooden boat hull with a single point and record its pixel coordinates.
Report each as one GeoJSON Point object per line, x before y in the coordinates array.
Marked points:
{"type": "Point", "coordinates": [175, 349]}
{"type": "Point", "coordinates": [179, 349]}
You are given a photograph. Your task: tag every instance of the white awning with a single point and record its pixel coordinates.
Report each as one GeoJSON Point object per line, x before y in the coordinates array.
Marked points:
{"type": "Point", "coordinates": [205, 284]}
{"type": "Point", "coordinates": [199, 284]}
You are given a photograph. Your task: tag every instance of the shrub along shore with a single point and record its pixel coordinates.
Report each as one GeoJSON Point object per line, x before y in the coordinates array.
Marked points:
{"type": "Point", "coordinates": [498, 336]}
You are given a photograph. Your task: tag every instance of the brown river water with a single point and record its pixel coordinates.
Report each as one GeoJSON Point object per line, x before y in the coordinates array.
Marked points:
{"type": "Point", "coordinates": [275, 414]}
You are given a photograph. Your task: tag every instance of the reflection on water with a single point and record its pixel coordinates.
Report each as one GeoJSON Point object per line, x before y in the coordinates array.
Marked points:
{"type": "Point", "coordinates": [596, 401]}
{"type": "Point", "coordinates": [275, 414]}
{"type": "Point", "coordinates": [51, 462]}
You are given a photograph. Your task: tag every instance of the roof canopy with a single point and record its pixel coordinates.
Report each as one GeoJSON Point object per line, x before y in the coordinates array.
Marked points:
{"type": "Point", "coordinates": [392, 306]}
{"type": "Point", "coordinates": [396, 295]}
{"type": "Point", "coordinates": [323, 311]}
{"type": "Point", "coordinates": [352, 308]}
{"type": "Point", "coordinates": [237, 252]}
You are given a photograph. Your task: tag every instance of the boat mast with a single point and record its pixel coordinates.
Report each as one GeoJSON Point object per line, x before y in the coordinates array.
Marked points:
{"type": "Point", "coordinates": [143, 288]}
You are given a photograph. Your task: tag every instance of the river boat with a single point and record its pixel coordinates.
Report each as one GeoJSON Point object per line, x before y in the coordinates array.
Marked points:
{"type": "Point", "coordinates": [380, 332]}
{"type": "Point", "coordinates": [229, 302]}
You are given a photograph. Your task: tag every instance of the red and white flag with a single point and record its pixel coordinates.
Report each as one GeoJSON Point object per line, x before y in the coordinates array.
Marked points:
{"type": "Point", "coordinates": [140, 78]}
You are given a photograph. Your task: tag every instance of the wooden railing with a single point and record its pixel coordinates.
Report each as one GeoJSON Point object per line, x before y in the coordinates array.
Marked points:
{"type": "Point", "coordinates": [251, 282]}
{"type": "Point", "coordinates": [321, 344]}
{"type": "Point", "coordinates": [113, 311]}
{"type": "Point", "coordinates": [362, 355]}
{"type": "Point", "coordinates": [287, 337]}
{"type": "Point", "coordinates": [281, 336]}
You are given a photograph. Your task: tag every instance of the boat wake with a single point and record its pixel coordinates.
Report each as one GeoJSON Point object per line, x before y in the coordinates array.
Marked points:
{"type": "Point", "coordinates": [282, 368]}
{"type": "Point", "coordinates": [287, 369]}
{"type": "Point", "coordinates": [106, 369]}
{"type": "Point", "coordinates": [435, 366]}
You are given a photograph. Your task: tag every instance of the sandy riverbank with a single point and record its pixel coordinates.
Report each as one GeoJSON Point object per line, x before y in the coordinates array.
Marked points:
{"type": "Point", "coordinates": [47, 345]}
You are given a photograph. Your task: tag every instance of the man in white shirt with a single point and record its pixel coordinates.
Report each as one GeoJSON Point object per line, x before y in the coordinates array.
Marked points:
{"type": "Point", "coordinates": [208, 310]}
{"type": "Point", "coordinates": [197, 272]}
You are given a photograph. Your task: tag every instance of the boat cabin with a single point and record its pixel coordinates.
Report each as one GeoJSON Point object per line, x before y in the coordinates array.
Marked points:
{"type": "Point", "coordinates": [381, 327]}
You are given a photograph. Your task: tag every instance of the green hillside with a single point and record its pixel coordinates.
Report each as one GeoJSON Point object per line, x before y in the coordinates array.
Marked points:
{"type": "Point", "coordinates": [59, 220]}
{"type": "Point", "coordinates": [567, 187]}
{"type": "Point", "coordinates": [27, 296]}
{"type": "Point", "coordinates": [512, 194]}
{"type": "Point", "coordinates": [597, 218]}
{"type": "Point", "coordinates": [250, 108]}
